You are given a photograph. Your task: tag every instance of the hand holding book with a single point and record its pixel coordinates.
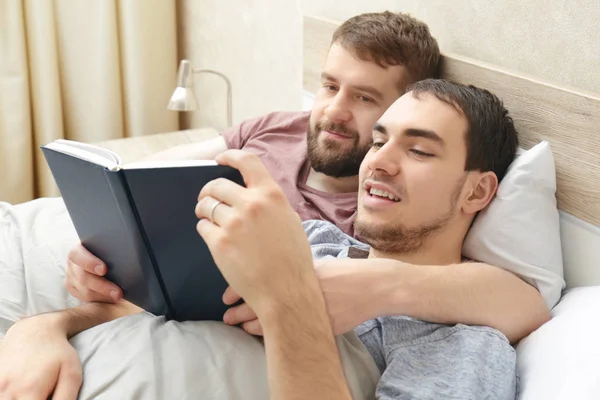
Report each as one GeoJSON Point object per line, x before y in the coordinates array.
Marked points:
{"type": "Point", "coordinates": [255, 236]}
{"type": "Point", "coordinates": [139, 220]}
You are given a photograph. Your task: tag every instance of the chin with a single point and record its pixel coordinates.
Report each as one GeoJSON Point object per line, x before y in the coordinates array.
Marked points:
{"type": "Point", "coordinates": [326, 144]}
{"type": "Point", "coordinates": [373, 220]}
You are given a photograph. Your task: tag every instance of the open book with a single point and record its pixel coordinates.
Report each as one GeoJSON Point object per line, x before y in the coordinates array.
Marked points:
{"type": "Point", "coordinates": [139, 218]}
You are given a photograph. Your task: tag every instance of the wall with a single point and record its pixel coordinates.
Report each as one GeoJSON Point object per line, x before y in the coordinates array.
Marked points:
{"type": "Point", "coordinates": [256, 43]}
{"type": "Point", "coordinates": [552, 39]}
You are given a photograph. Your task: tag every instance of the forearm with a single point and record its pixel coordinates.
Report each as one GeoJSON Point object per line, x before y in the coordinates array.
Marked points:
{"type": "Point", "coordinates": [302, 357]}
{"type": "Point", "coordinates": [75, 320]}
{"type": "Point", "coordinates": [206, 150]}
{"type": "Point", "coordinates": [468, 293]}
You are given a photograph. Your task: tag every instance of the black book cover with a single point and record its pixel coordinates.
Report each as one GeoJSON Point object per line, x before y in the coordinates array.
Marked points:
{"type": "Point", "coordinates": [142, 224]}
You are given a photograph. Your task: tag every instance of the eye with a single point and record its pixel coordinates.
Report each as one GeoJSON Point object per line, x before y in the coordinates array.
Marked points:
{"type": "Point", "coordinates": [377, 144]}
{"type": "Point", "coordinates": [329, 87]}
{"type": "Point", "coordinates": [421, 153]}
{"type": "Point", "coordinates": [366, 99]}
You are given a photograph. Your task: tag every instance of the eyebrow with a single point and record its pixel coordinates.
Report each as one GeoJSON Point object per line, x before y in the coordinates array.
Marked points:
{"type": "Point", "coordinates": [413, 132]}
{"type": "Point", "coordinates": [361, 88]}
{"type": "Point", "coordinates": [380, 128]}
{"type": "Point", "coordinates": [425, 134]}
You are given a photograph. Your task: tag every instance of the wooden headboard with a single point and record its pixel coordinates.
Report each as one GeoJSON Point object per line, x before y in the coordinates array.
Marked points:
{"type": "Point", "coordinates": [569, 120]}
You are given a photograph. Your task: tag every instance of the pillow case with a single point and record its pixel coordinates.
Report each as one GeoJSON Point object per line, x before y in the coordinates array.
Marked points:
{"type": "Point", "coordinates": [560, 359]}
{"type": "Point", "coordinates": [519, 230]}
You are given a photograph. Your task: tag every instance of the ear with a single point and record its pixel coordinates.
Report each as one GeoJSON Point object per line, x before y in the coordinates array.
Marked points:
{"type": "Point", "coordinates": [482, 191]}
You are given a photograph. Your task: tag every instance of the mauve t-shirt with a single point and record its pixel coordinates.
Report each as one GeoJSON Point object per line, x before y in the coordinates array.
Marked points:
{"type": "Point", "coordinates": [279, 139]}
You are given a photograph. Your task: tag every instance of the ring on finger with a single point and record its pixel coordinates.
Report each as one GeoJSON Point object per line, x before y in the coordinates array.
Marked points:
{"type": "Point", "coordinates": [212, 211]}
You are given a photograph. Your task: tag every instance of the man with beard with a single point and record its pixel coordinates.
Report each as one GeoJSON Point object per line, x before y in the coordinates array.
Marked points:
{"type": "Point", "coordinates": [372, 59]}
{"type": "Point", "coordinates": [437, 157]}
{"type": "Point", "coordinates": [314, 156]}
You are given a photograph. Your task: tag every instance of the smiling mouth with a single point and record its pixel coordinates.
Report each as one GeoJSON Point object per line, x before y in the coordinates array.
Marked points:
{"type": "Point", "coordinates": [383, 194]}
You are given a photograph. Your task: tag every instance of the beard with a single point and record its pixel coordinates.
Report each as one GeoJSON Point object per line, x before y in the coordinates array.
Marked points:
{"type": "Point", "coordinates": [397, 238]}
{"type": "Point", "coordinates": [332, 158]}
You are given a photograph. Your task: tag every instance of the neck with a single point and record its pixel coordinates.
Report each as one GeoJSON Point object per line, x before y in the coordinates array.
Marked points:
{"type": "Point", "coordinates": [441, 250]}
{"type": "Point", "coordinates": [330, 184]}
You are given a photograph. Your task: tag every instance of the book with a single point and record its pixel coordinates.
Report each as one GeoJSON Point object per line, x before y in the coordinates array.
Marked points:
{"type": "Point", "coordinates": [139, 218]}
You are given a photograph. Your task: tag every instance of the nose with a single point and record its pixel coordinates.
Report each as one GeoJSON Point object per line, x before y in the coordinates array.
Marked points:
{"type": "Point", "coordinates": [338, 110]}
{"type": "Point", "coordinates": [384, 161]}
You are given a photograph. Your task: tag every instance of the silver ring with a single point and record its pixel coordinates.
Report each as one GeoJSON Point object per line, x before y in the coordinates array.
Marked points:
{"type": "Point", "coordinates": [212, 211]}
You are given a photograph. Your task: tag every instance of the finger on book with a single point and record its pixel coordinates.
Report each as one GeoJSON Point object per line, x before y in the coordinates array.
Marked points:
{"type": "Point", "coordinates": [223, 190]}
{"type": "Point", "coordinates": [230, 296]}
{"type": "Point", "coordinates": [81, 256]}
{"type": "Point", "coordinates": [239, 314]}
{"type": "Point", "coordinates": [218, 212]}
{"type": "Point", "coordinates": [107, 291]}
{"type": "Point", "coordinates": [77, 290]}
{"type": "Point", "coordinates": [253, 327]}
{"type": "Point", "coordinates": [206, 229]}
{"type": "Point", "coordinates": [250, 166]}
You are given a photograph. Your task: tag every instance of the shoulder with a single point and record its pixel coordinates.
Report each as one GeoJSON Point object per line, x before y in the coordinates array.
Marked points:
{"type": "Point", "coordinates": [280, 120]}
{"type": "Point", "coordinates": [397, 335]}
{"type": "Point", "coordinates": [292, 124]}
{"type": "Point", "coordinates": [441, 361]}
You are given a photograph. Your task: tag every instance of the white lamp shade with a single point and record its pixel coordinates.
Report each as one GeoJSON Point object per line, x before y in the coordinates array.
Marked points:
{"type": "Point", "coordinates": [183, 99]}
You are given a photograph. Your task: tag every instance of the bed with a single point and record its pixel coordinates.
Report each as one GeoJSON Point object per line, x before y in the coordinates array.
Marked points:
{"type": "Point", "coordinates": [557, 361]}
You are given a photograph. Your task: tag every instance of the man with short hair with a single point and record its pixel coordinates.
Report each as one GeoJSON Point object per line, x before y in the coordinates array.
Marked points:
{"type": "Point", "coordinates": [437, 157]}
{"type": "Point", "coordinates": [359, 83]}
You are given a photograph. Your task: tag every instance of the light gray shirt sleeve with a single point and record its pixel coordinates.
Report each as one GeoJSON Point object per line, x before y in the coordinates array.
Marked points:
{"type": "Point", "coordinates": [421, 360]}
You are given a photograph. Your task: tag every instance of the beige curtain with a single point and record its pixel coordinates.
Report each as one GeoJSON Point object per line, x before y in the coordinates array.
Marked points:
{"type": "Point", "coordinates": [82, 70]}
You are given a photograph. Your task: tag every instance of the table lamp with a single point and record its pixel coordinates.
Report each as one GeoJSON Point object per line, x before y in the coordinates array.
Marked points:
{"type": "Point", "coordinates": [184, 99]}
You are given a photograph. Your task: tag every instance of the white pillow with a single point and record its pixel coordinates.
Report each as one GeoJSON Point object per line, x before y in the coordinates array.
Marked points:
{"type": "Point", "coordinates": [560, 359]}
{"type": "Point", "coordinates": [519, 230]}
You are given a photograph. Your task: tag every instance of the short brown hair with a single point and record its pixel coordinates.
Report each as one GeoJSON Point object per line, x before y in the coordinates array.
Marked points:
{"type": "Point", "coordinates": [491, 136]}
{"type": "Point", "coordinates": [388, 38]}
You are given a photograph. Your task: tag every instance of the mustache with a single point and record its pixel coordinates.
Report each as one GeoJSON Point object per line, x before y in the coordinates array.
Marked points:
{"type": "Point", "coordinates": [334, 127]}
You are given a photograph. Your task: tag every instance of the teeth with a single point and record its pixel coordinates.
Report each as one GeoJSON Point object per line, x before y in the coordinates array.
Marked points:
{"type": "Point", "coordinates": [382, 193]}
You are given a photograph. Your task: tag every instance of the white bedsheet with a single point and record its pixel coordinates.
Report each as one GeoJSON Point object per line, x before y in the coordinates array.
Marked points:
{"type": "Point", "coordinates": [142, 356]}
{"type": "Point", "coordinates": [35, 238]}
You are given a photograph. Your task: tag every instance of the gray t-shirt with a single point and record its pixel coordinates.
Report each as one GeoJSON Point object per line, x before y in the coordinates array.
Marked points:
{"type": "Point", "coordinates": [422, 360]}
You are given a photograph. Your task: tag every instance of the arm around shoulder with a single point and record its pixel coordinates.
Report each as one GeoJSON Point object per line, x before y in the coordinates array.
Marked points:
{"type": "Point", "coordinates": [469, 293]}
{"type": "Point", "coordinates": [472, 293]}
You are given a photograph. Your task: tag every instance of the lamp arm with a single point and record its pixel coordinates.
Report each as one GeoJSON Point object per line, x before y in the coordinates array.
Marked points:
{"type": "Point", "coordinates": [228, 82]}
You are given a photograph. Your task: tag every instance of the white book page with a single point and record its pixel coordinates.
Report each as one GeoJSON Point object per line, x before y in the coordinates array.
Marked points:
{"type": "Point", "coordinates": [83, 151]}
{"type": "Point", "coordinates": [168, 164]}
